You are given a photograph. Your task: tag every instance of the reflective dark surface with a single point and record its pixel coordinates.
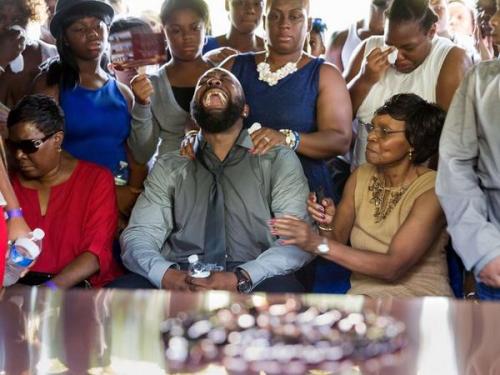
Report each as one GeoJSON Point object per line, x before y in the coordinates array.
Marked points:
{"type": "Point", "coordinates": [115, 332]}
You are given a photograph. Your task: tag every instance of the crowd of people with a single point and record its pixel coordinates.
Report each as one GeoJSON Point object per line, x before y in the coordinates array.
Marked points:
{"type": "Point", "coordinates": [362, 163]}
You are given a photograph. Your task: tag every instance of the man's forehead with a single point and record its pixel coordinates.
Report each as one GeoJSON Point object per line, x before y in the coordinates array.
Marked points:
{"type": "Point", "coordinates": [220, 73]}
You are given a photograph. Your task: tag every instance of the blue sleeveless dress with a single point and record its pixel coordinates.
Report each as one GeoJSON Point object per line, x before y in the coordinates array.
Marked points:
{"type": "Point", "coordinates": [291, 104]}
{"type": "Point", "coordinates": [97, 124]}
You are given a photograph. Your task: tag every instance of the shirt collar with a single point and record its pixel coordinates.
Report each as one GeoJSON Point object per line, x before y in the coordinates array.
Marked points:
{"type": "Point", "coordinates": [244, 140]}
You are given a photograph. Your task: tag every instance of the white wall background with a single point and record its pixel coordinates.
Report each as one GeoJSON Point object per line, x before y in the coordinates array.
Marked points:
{"type": "Point", "coordinates": [338, 14]}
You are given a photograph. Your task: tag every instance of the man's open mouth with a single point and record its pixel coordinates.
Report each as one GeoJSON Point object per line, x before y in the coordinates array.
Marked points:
{"type": "Point", "coordinates": [214, 98]}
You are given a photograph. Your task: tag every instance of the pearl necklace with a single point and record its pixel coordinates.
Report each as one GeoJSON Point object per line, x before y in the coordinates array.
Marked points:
{"type": "Point", "coordinates": [272, 78]}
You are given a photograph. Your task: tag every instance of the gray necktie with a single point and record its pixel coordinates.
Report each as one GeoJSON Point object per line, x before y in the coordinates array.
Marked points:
{"type": "Point", "coordinates": [215, 231]}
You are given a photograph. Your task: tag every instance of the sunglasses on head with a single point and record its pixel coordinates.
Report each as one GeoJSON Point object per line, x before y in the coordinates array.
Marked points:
{"type": "Point", "coordinates": [28, 146]}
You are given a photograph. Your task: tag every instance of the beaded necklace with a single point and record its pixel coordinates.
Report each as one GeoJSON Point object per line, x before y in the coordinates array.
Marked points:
{"type": "Point", "coordinates": [384, 198]}
{"type": "Point", "coordinates": [272, 78]}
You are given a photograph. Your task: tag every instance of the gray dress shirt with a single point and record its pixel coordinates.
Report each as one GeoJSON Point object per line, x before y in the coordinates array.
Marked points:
{"type": "Point", "coordinates": [468, 182]}
{"type": "Point", "coordinates": [168, 221]}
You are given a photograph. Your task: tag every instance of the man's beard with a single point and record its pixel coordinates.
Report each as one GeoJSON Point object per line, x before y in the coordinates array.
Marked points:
{"type": "Point", "coordinates": [217, 122]}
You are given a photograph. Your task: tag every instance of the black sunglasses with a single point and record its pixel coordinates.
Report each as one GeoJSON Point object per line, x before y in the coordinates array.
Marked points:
{"type": "Point", "coordinates": [28, 146]}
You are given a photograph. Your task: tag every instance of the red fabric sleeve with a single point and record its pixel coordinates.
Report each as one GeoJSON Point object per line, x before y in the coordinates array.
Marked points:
{"type": "Point", "coordinates": [100, 227]}
{"type": "Point", "coordinates": [3, 245]}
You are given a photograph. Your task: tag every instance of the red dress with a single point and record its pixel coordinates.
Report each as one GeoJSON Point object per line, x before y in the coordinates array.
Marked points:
{"type": "Point", "coordinates": [3, 245]}
{"type": "Point", "coordinates": [81, 216]}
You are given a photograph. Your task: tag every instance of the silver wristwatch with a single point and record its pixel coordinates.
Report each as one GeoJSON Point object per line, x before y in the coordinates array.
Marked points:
{"type": "Point", "coordinates": [323, 247]}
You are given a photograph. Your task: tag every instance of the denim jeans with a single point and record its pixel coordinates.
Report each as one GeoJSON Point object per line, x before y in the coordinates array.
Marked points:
{"type": "Point", "coordinates": [487, 293]}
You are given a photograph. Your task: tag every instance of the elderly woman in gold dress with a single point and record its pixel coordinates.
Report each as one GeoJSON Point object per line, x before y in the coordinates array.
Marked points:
{"type": "Point", "coordinates": [389, 212]}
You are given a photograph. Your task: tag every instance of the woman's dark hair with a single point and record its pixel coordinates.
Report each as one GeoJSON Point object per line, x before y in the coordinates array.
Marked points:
{"type": "Point", "coordinates": [63, 70]}
{"type": "Point", "coordinates": [40, 110]}
{"type": "Point", "coordinates": [31, 10]}
{"type": "Point", "coordinates": [200, 7]}
{"type": "Point", "coordinates": [412, 11]}
{"type": "Point", "coordinates": [423, 123]}
{"type": "Point", "coordinates": [129, 23]}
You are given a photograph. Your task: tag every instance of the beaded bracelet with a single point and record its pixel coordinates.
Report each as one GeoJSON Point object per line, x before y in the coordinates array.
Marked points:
{"type": "Point", "coordinates": [325, 229]}
{"type": "Point", "coordinates": [297, 140]}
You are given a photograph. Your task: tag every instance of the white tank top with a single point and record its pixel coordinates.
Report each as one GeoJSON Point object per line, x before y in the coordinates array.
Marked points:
{"type": "Point", "coordinates": [422, 81]}
{"type": "Point", "coordinates": [351, 42]}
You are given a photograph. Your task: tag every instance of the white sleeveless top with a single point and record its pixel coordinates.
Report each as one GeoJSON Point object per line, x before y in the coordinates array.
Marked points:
{"type": "Point", "coordinates": [351, 42]}
{"type": "Point", "coordinates": [422, 81]}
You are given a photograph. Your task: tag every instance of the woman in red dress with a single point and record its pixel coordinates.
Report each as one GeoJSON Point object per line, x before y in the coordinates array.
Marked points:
{"type": "Point", "coordinates": [72, 201]}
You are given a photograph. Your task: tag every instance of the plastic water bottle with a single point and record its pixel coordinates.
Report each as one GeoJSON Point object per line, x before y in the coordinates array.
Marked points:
{"type": "Point", "coordinates": [22, 253]}
{"type": "Point", "coordinates": [196, 268]}
{"type": "Point", "coordinates": [121, 174]}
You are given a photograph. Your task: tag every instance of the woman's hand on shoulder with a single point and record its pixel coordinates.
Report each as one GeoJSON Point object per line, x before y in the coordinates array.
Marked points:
{"type": "Point", "coordinates": [187, 145]}
{"type": "Point", "coordinates": [266, 138]}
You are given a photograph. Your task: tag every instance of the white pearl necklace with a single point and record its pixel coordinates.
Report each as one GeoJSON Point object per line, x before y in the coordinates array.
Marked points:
{"type": "Point", "coordinates": [272, 78]}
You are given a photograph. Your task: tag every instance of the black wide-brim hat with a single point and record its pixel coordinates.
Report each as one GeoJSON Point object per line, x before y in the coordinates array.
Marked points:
{"type": "Point", "coordinates": [64, 8]}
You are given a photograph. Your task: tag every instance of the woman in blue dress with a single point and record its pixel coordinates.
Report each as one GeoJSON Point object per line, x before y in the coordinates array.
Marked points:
{"type": "Point", "coordinates": [95, 105]}
{"type": "Point", "coordinates": [301, 102]}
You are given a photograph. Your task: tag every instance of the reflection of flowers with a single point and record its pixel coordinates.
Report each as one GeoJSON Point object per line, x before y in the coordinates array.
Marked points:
{"type": "Point", "coordinates": [287, 335]}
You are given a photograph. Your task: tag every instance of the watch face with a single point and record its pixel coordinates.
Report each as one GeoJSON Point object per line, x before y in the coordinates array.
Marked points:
{"type": "Point", "coordinates": [323, 248]}
{"type": "Point", "coordinates": [244, 286]}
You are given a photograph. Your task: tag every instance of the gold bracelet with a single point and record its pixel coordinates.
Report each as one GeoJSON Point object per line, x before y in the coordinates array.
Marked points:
{"type": "Point", "coordinates": [325, 229]}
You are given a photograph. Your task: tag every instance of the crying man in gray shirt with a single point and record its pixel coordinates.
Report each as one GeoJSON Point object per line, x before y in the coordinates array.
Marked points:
{"type": "Point", "coordinates": [218, 205]}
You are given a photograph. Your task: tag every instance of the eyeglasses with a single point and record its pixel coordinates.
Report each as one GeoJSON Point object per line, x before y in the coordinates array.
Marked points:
{"type": "Point", "coordinates": [381, 132]}
{"type": "Point", "coordinates": [28, 146]}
